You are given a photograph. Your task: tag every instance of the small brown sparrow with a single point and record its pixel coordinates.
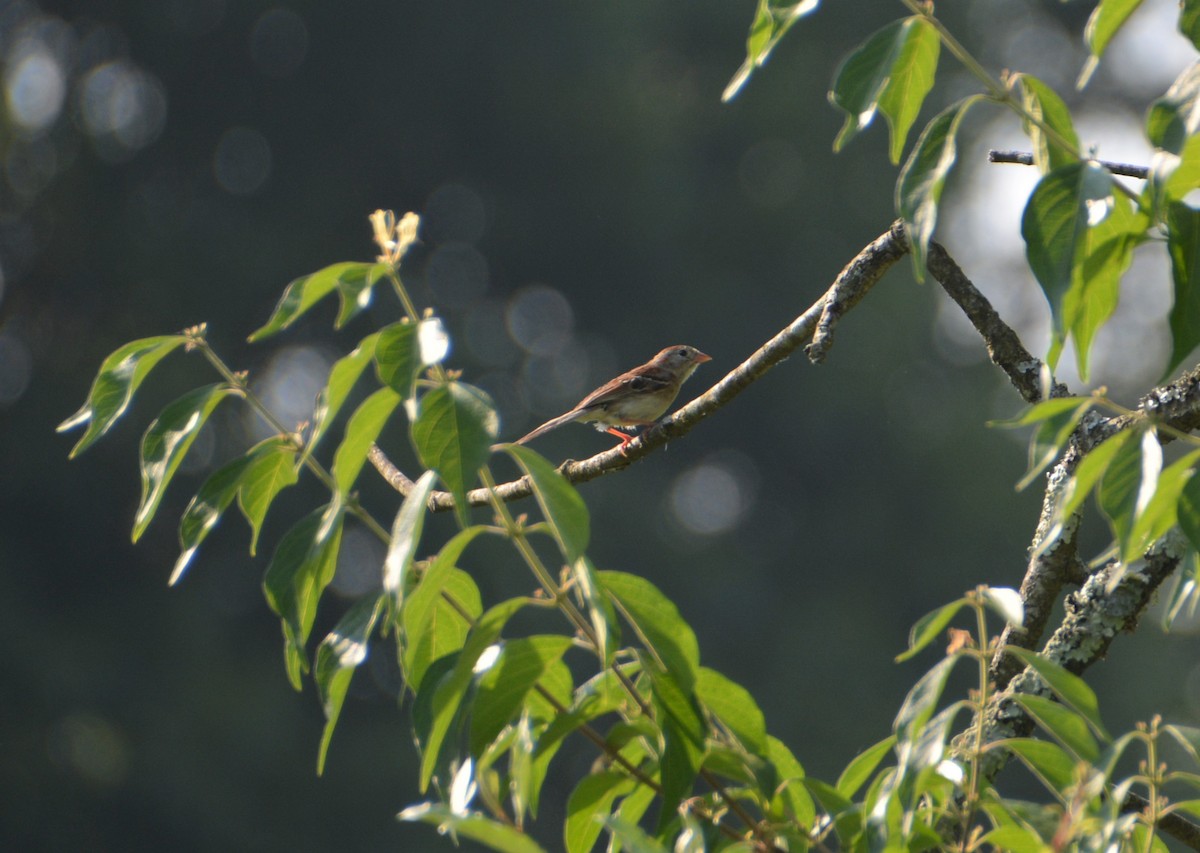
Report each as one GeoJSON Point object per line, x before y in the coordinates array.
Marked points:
{"type": "Point", "coordinates": [637, 397]}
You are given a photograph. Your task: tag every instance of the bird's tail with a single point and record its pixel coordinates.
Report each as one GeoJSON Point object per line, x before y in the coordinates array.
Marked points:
{"type": "Point", "coordinates": [553, 423]}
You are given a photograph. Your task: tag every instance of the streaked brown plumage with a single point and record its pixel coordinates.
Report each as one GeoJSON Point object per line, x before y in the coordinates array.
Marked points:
{"type": "Point", "coordinates": [637, 397]}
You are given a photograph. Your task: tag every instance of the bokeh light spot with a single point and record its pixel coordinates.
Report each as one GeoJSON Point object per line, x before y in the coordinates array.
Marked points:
{"type": "Point", "coordinates": [714, 496]}
{"type": "Point", "coordinates": [35, 87]}
{"type": "Point", "coordinates": [289, 387]}
{"type": "Point", "coordinates": [242, 161]}
{"type": "Point", "coordinates": [359, 564]}
{"type": "Point", "coordinates": [279, 42]}
{"type": "Point", "coordinates": [457, 275]}
{"type": "Point", "coordinates": [123, 108]}
{"type": "Point", "coordinates": [92, 747]}
{"type": "Point", "coordinates": [16, 368]}
{"type": "Point", "coordinates": [540, 320]}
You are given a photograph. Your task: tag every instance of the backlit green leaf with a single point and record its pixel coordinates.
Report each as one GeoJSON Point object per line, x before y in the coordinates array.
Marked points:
{"type": "Point", "coordinates": [1048, 761]}
{"type": "Point", "coordinates": [1070, 688]}
{"type": "Point", "coordinates": [452, 434]}
{"type": "Point", "coordinates": [922, 699]}
{"type": "Point", "coordinates": [453, 686]}
{"type": "Point", "coordinates": [919, 187]}
{"type": "Point", "coordinates": [339, 654]}
{"type": "Point", "coordinates": [302, 566]}
{"type": "Point", "coordinates": [657, 622]}
{"type": "Point", "coordinates": [1189, 21]}
{"type": "Point", "coordinates": [1106, 19]}
{"type": "Point", "coordinates": [589, 803]}
{"type": "Point", "coordinates": [167, 441]}
{"type": "Point", "coordinates": [771, 20]}
{"type": "Point", "coordinates": [272, 470]}
{"type": "Point", "coordinates": [560, 502]}
{"type": "Point", "coordinates": [490, 833]}
{"type": "Point", "coordinates": [734, 706]}
{"type": "Point", "coordinates": [859, 770]}
{"type": "Point", "coordinates": [1044, 104]}
{"type": "Point", "coordinates": [502, 689]}
{"type": "Point", "coordinates": [1070, 729]}
{"type": "Point", "coordinates": [398, 357]}
{"type": "Point", "coordinates": [1183, 244]}
{"type": "Point", "coordinates": [929, 627]}
{"type": "Point", "coordinates": [406, 534]}
{"type": "Point", "coordinates": [352, 279]}
{"type": "Point", "coordinates": [1127, 486]}
{"type": "Point", "coordinates": [343, 376]}
{"type": "Point", "coordinates": [892, 72]}
{"type": "Point", "coordinates": [213, 499]}
{"type": "Point", "coordinates": [119, 377]}
{"type": "Point", "coordinates": [1175, 117]}
{"type": "Point", "coordinates": [363, 428]}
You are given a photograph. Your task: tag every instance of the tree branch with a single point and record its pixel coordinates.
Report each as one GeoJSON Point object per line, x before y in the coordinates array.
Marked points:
{"type": "Point", "coordinates": [1024, 158]}
{"type": "Point", "coordinates": [851, 285]}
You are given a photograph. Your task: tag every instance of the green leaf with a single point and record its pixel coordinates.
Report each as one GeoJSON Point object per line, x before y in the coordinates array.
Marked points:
{"type": "Point", "coordinates": [406, 534]}
{"type": "Point", "coordinates": [1175, 117]}
{"type": "Point", "coordinates": [859, 770]}
{"type": "Point", "coordinates": [683, 743]}
{"type": "Point", "coordinates": [922, 699]}
{"type": "Point", "coordinates": [272, 470]}
{"type": "Point", "coordinates": [631, 837]}
{"type": "Point", "coordinates": [1014, 839]}
{"type": "Point", "coordinates": [1070, 688]}
{"type": "Point", "coordinates": [791, 800]}
{"type": "Point", "coordinates": [211, 501]}
{"type": "Point", "coordinates": [1043, 103]}
{"type": "Point", "coordinates": [771, 20]}
{"type": "Point", "coordinates": [1183, 244]}
{"type": "Point", "coordinates": [447, 629]}
{"type": "Point", "coordinates": [1127, 486]}
{"type": "Point", "coordinates": [1088, 473]}
{"type": "Point", "coordinates": [1187, 511]}
{"type": "Point", "coordinates": [1189, 21]}
{"type": "Point", "coordinates": [452, 435]}
{"type": "Point", "coordinates": [398, 357]}
{"type": "Point", "coordinates": [735, 707]}
{"type": "Point", "coordinates": [892, 72]}
{"type": "Point", "coordinates": [432, 626]}
{"type": "Point", "coordinates": [929, 627]}
{"type": "Point", "coordinates": [1095, 288]}
{"type": "Point", "coordinates": [1051, 409]}
{"type": "Point", "coordinates": [1187, 737]}
{"type": "Point", "coordinates": [339, 654]}
{"type": "Point", "coordinates": [502, 689]}
{"type": "Point", "coordinates": [1048, 761]}
{"type": "Point", "coordinates": [364, 427]}
{"type": "Point", "coordinates": [450, 692]}
{"type": "Point", "coordinates": [1104, 22]}
{"type": "Point", "coordinates": [1052, 435]}
{"type": "Point", "coordinates": [1158, 515]}
{"type": "Point", "coordinates": [600, 610]}
{"type": "Point", "coordinates": [352, 279]}
{"type": "Point", "coordinates": [657, 622]}
{"type": "Point", "coordinates": [167, 441]}
{"type": "Point", "coordinates": [589, 803]}
{"type": "Point", "coordinates": [1067, 727]}
{"type": "Point", "coordinates": [119, 377]}
{"type": "Point", "coordinates": [343, 376]}
{"type": "Point", "coordinates": [560, 502]}
{"type": "Point", "coordinates": [919, 187]}
{"type": "Point", "coordinates": [301, 568]}
{"type": "Point", "coordinates": [1055, 227]}
{"type": "Point", "coordinates": [601, 694]}
{"type": "Point", "coordinates": [472, 825]}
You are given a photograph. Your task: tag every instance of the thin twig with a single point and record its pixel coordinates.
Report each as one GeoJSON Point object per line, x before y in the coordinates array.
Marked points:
{"type": "Point", "coordinates": [1024, 158]}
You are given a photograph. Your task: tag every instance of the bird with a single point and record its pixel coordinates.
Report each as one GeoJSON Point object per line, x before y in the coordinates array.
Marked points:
{"type": "Point", "coordinates": [635, 398]}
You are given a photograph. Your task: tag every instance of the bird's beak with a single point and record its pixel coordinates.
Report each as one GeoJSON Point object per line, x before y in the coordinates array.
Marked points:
{"type": "Point", "coordinates": [701, 357]}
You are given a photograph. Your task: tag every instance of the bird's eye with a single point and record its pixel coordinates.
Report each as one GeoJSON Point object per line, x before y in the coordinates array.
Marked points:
{"type": "Point", "coordinates": [637, 383]}
{"type": "Point", "coordinates": [681, 352]}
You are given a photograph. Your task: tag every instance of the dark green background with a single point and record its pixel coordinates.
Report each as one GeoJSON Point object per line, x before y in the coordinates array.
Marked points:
{"type": "Point", "coordinates": [137, 717]}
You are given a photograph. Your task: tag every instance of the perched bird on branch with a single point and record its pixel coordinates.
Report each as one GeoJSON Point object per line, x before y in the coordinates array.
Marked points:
{"type": "Point", "coordinates": [635, 398]}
